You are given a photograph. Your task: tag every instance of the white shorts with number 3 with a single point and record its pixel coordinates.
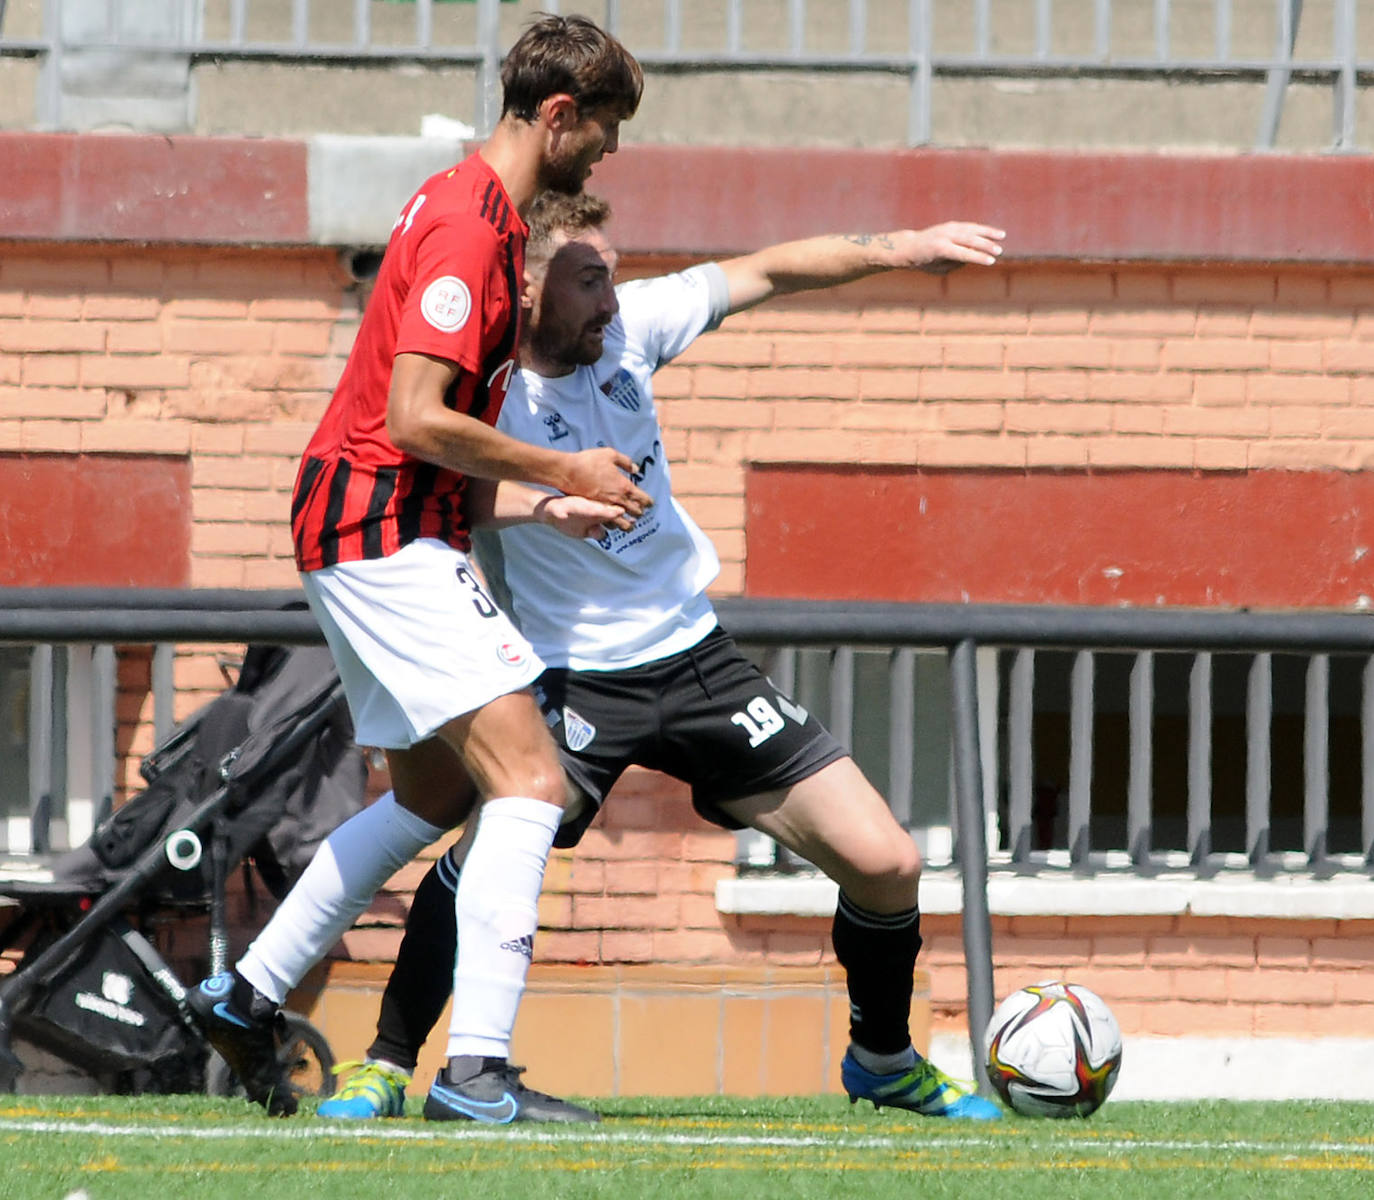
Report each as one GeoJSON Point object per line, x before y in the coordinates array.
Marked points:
{"type": "Point", "coordinates": [417, 640]}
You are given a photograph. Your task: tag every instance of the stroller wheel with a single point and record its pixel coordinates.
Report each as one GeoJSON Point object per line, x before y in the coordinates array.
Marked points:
{"type": "Point", "coordinates": [302, 1050]}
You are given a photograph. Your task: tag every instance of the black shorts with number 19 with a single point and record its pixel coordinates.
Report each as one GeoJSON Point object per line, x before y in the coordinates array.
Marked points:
{"type": "Point", "coordinates": [706, 716]}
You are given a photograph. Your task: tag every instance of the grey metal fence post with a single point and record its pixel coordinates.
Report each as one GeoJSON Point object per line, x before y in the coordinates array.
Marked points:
{"type": "Point", "coordinates": [487, 109]}
{"type": "Point", "coordinates": [1346, 83]}
{"type": "Point", "coordinates": [164, 691]}
{"type": "Point", "coordinates": [40, 748]}
{"type": "Point", "coordinates": [972, 850]}
{"type": "Point", "coordinates": [918, 120]}
{"type": "Point", "coordinates": [48, 95]}
{"type": "Point", "coordinates": [104, 685]}
{"type": "Point", "coordinates": [1289, 14]}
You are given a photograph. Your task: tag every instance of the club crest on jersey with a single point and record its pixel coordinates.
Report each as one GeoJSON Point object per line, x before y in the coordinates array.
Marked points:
{"type": "Point", "coordinates": [620, 389]}
{"type": "Point", "coordinates": [447, 304]}
{"type": "Point", "coordinates": [557, 427]}
{"type": "Point", "coordinates": [510, 654]}
{"type": "Point", "coordinates": [577, 731]}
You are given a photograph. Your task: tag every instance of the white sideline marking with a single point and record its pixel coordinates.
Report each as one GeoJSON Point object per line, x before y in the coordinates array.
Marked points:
{"type": "Point", "coordinates": [369, 1130]}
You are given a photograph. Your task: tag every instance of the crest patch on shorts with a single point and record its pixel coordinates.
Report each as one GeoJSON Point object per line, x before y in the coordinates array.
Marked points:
{"type": "Point", "coordinates": [577, 732]}
{"type": "Point", "coordinates": [447, 304]}
{"type": "Point", "coordinates": [510, 654]}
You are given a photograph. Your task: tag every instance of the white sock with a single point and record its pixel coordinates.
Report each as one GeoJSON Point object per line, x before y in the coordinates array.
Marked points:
{"type": "Point", "coordinates": [332, 892]}
{"type": "Point", "coordinates": [497, 903]}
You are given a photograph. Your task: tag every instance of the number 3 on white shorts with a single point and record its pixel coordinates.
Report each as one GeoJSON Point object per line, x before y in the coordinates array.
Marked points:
{"type": "Point", "coordinates": [760, 720]}
{"type": "Point", "coordinates": [483, 603]}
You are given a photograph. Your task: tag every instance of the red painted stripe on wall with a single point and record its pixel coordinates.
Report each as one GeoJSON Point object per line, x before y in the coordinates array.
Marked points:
{"type": "Point", "coordinates": [95, 520]}
{"type": "Point", "coordinates": [1263, 539]}
{"type": "Point", "coordinates": [1103, 207]}
{"type": "Point", "coordinates": [89, 187]}
{"type": "Point", "coordinates": [703, 201]}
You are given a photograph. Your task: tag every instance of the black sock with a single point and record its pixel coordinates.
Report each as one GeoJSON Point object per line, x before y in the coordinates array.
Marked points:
{"type": "Point", "coordinates": [878, 952]}
{"type": "Point", "coordinates": [251, 1002]}
{"type": "Point", "coordinates": [422, 979]}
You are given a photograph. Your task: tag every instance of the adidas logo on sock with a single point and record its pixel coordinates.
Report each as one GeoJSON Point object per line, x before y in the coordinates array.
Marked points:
{"type": "Point", "coordinates": [521, 945]}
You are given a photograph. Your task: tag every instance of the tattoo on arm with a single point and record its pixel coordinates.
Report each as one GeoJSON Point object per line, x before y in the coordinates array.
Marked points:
{"type": "Point", "coordinates": [869, 239]}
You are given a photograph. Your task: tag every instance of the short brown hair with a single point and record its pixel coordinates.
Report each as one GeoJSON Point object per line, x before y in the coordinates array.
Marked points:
{"type": "Point", "coordinates": [557, 212]}
{"type": "Point", "coordinates": [575, 56]}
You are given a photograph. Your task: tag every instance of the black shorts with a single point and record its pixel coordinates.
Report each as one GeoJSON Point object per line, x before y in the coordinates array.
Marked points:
{"type": "Point", "coordinates": [707, 716]}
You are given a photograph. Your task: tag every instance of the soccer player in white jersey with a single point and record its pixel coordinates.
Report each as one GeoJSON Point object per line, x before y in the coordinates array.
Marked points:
{"type": "Point", "coordinates": [638, 669]}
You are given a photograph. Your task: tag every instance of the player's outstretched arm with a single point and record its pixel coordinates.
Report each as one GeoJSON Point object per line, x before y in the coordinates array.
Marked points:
{"type": "Point", "coordinates": [839, 258]}
{"type": "Point", "coordinates": [420, 423]}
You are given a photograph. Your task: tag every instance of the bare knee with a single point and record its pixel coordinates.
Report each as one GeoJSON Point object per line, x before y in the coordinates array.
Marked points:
{"type": "Point", "coordinates": [889, 879]}
{"type": "Point", "coordinates": [906, 866]}
{"type": "Point", "coordinates": [837, 820]}
{"type": "Point", "coordinates": [532, 771]}
{"type": "Point", "coordinates": [884, 876]}
{"type": "Point", "coordinates": [507, 750]}
{"type": "Point", "coordinates": [544, 782]}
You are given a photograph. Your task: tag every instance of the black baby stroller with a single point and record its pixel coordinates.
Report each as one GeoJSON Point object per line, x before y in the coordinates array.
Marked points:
{"type": "Point", "coordinates": [261, 774]}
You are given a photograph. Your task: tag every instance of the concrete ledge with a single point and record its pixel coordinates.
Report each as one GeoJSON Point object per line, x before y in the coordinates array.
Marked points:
{"type": "Point", "coordinates": [1102, 895]}
{"type": "Point", "coordinates": [698, 201]}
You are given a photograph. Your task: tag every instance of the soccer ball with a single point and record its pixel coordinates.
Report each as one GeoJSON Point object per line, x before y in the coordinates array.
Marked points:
{"type": "Point", "coordinates": [1053, 1050]}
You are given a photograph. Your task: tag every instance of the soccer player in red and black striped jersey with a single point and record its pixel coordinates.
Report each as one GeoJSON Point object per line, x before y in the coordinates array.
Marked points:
{"type": "Point", "coordinates": [435, 673]}
{"type": "Point", "coordinates": [415, 409]}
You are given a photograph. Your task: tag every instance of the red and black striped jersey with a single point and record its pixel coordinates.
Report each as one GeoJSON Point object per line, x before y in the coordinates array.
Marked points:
{"type": "Point", "coordinates": [449, 286]}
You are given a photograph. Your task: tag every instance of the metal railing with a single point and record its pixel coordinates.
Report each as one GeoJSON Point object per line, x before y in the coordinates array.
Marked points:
{"type": "Point", "coordinates": [1267, 687]}
{"type": "Point", "coordinates": [71, 687]}
{"type": "Point", "coordinates": [866, 668]}
{"type": "Point", "coordinates": [977, 743]}
{"type": "Point", "coordinates": [917, 40]}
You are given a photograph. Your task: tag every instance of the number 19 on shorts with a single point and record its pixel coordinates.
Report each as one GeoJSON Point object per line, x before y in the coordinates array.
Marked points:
{"type": "Point", "coordinates": [760, 720]}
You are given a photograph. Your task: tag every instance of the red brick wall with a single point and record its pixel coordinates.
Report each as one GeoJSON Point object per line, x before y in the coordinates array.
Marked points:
{"type": "Point", "coordinates": [1208, 976]}
{"type": "Point", "coordinates": [226, 357]}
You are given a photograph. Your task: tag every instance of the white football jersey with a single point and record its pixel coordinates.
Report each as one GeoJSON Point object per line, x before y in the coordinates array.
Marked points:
{"type": "Point", "coordinates": [632, 597]}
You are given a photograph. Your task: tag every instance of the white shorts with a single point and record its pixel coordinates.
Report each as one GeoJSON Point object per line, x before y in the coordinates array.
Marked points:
{"type": "Point", "coordinates": [417, 641]}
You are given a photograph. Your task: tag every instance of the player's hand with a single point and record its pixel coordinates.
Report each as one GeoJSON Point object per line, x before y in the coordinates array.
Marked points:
{"type": "Point", "coordinates": [577, 517]}
{"type": "Point", "coordinates": [945, 247]}
{"type": "Point", "coordinates": [603, 474]}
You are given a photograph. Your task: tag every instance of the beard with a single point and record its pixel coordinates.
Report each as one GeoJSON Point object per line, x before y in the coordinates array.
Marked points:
{"type": "Point", "coordinates": [568, 348]}
{"type": "Point", "coordinates": [568, 173]}
{"type": "Point", "coordinates": [565, 177]}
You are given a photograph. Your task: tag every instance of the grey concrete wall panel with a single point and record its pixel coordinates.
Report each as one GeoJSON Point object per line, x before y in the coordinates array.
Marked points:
{"type": "Point", "coordinates": [358, 185]}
